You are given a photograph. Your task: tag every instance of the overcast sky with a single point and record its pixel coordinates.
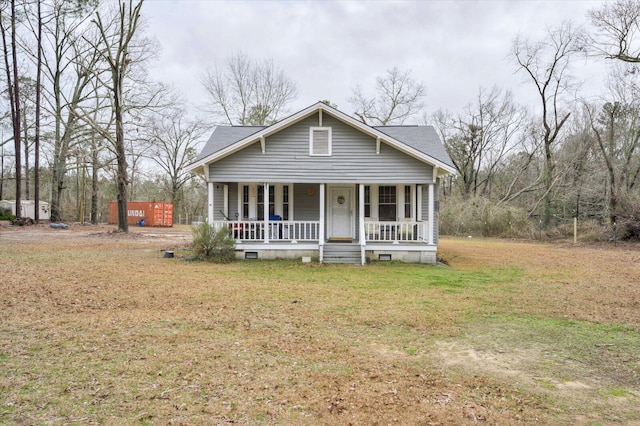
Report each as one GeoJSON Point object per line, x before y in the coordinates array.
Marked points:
{"type": "Point", "coordinates": [329, 47]}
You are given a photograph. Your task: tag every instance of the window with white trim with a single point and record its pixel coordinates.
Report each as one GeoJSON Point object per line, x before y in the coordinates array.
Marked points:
{"type": "Point", "coordinates": [320, 141]}
{"type": "Point", "coordinates": [251, 201]}
{"type": "Point", "coordinates": [407, 201]}
{"type": "Point", "coordinates": [245, 202]}
{"type": "Point", "coordinates": [367, 201]}
{"type": "Point", "coordinates": [260, 201]}
{"type": "Point", "coordinates": [285, 202]}
{"type": "Point", "coordinates": [387, 210]}
{"type": "Point", "coordinates": [390, 202]}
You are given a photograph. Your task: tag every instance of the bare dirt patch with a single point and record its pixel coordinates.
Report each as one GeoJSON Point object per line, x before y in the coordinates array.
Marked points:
{"type": "Point", "coordinates": [43, 233]}
{"type": "Point", "coordinates": [568, 331]}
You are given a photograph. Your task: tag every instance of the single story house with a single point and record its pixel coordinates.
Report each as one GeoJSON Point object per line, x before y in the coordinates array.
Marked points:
{"type": "Point", "coordinates": [322, 184]}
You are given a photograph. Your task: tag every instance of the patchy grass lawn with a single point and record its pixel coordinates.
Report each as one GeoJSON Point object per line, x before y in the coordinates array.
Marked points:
{"type": "Point", "coordinates": [100, 328]}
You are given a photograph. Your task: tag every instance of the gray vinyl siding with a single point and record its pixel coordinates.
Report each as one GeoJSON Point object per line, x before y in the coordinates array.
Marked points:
{"type": "Point", "coordinates": [353, 159]}
{"type": "Point", "coordinates": [305, 206]}
{"type": "Point", "coordinates": [218, 201]}
{"type": "Point", "coordinates": [233, 202]}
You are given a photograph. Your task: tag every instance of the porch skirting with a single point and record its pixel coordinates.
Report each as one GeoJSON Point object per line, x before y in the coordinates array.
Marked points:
{"type": "Point", "coordinates": [408, 253]}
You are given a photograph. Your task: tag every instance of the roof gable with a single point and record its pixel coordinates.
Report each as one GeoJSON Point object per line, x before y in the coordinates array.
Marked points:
{"type": "Point", "coordinates": [421, 142]}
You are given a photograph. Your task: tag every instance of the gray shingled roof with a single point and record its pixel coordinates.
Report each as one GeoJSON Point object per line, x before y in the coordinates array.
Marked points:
{"type": "Point", "coordinates": [224, 136]}
{"type": "Point", "coordinates": [422, 138]}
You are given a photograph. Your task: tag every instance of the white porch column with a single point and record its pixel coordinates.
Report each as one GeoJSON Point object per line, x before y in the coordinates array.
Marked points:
{"type": "Point", "coordinates": [363, 241]}
{"type": "Point", "coordinates": [266, 212]}
{"type": "Point", "coordinates": [210, 207]}
{"type": "Point", "coordinates": [321, 231]}
{"type": "Point", "coordinates": [419, 202]}
{"type": "Point", "coordinates": [431, 215]}
{"type": "Point", "coordinates": [361, 214]}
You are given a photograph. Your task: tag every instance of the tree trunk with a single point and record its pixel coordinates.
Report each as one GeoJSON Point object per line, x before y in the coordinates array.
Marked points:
{"type": "Point", "coordinates": [27, 183]}
{"type": "Point", "coordinates": [121, 157]}
{"type": "Point", "coordinates": [14, 98]}
{"type": "Point", "coordinates": [94, 186]}
{"type": "Point", "coordinates": [548, 182]}
{"type": "Point", "coordinates": [36, 177]}
{"type": "Point", "coordinates": [59, 155]}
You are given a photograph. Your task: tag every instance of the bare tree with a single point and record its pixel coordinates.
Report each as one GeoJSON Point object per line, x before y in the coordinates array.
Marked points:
{"type": "Point", "coordinates": [248, 92]}
{"type": "Point", "coordinates": [616, 126]}
{"type": "Point", "coordinates": [480, 138]}
{"type": "Point", "coordinates": [174, 139]}
{"type": "Point", "coordinates": [36, 188]}
{"type": "Point", "coordinates": [617, 28]}
{"type": "Point", "coordinates": [116, 35]}
{"type": "Point", "coordinates": [66, 65]}
{"type": "Point", "coordinates": [27, 103]}
{"type": "Point", "coordinates": [546, 64]}
{"type": "Point", "coordinates": [13, 87]}
{"type": "Point", "coordinates": [577, 155]}
{"type": "Point", "coordinates": [397, 97]}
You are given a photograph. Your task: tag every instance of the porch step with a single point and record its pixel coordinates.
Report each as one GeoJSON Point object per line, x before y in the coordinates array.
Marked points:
{"type": "Point", "coordinates": [341, 253]}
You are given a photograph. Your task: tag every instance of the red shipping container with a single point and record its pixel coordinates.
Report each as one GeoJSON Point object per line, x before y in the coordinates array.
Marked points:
{"type": "Point", "coordinates": [144, 213]}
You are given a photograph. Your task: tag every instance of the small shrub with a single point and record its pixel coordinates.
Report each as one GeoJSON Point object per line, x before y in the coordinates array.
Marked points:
{"type": "Point", "coordinates": [5, 214]}
{"type": "Point", "coordinates": [211, 244]}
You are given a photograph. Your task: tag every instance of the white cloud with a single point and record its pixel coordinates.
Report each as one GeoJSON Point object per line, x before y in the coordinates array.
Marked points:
{"type": "Point", "coordinates": [330, 47]}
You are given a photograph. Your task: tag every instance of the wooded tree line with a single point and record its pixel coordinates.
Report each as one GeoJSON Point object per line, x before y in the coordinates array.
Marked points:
{"type": "Point", "coordinates": [524, 171]}
{"type": "Point", "coordinates": [78, 95]}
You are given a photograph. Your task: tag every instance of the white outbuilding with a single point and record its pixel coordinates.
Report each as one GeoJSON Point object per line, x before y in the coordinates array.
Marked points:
{"type": "Point", "coordinates": [27, 208]}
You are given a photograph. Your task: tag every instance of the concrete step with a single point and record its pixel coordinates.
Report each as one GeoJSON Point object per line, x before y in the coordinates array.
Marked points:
{"type": "Point", "coordinates": [342, 253]}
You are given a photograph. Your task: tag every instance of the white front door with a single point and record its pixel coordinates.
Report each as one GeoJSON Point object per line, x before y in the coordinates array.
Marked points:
{"type": "Point", "coordinates": [341, 212]}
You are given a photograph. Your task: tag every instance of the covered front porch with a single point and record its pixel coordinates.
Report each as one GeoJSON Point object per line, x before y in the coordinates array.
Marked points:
{"type": "Point", "coordinates": [302, 220]}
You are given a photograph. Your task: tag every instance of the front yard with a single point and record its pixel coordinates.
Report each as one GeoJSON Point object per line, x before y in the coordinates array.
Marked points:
{"type": "Point", "coordinates": [99, 328]}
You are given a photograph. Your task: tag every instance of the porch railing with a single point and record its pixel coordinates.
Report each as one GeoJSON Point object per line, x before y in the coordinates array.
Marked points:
{"type": "Point", "coordinates": [280, 230]}
{"type": "Point", "coordinates": [300, 230]}
{"type": "Point", "coordinates": [396, 231]}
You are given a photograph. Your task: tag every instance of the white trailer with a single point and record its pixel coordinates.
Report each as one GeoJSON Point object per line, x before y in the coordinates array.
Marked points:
{"type": "Point", "coordinates": [27, 208]}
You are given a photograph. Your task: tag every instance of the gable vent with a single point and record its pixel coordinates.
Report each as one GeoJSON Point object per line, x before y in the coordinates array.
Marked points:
{"type": "Point", "coordinates": [320, 141]}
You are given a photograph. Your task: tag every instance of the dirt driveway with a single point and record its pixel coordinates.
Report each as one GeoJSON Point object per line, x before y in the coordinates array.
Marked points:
{"type": "Point", "coordinates": [180, 234]}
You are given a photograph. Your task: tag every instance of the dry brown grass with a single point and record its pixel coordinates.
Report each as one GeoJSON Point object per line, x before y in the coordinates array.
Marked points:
{"type": "Point", "coordinates": [99, 328]}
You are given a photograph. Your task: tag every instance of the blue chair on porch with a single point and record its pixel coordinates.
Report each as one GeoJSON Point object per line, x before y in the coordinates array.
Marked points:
{"type": "Point", "coordinates": [275, 229]}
